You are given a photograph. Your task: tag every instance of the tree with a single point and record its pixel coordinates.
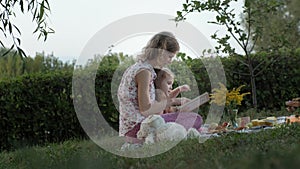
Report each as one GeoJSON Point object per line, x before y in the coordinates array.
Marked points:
{"type": "Point", "coordinates": [12, 65]}
{"type": "Point", "coordinates": [245, 31]}
{"type": "Point", "coordinates": [283, 24]}
{"type": "Point", "coordinates": [293, 7]}
{"type": "Point", "coordinates": [38, 9]}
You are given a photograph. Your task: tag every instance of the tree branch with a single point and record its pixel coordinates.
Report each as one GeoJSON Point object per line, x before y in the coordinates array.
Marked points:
{"type": "Point", "coordinates": [273, 60]}
{"type": "Point", "coordinates": [249, 26]}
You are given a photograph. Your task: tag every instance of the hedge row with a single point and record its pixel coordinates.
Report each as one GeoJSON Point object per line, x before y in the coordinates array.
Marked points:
{"type": "Point", "coordinates": [39, 108]}
{"type": "Point", "coordinates": [277, 82]}
{"type": "Point", "coordinates": [35, 109]}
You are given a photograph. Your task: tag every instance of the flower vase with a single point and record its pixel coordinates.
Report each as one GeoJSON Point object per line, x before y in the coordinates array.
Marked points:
{"type": "Point", "coordinates": [233, 117]}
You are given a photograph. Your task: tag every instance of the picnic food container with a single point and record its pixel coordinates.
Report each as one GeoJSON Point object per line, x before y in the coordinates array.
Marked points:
{"type": "Point", "coordinates": [293, 119]}
{"type": "Point", "coordinates": [243, 121]}
{"type": "Point", "coordinates": [281, 119]}
{"type": "Point", "coordinates": [271, 121]}
{"type": "Point", "coordinates": [257, 122]}
{"type": "Point", "coordinates": [254, 122]}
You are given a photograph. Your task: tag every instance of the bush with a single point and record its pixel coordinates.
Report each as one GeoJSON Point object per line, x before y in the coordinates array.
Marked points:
{"type": "Point", "coordinates": [38, 108]}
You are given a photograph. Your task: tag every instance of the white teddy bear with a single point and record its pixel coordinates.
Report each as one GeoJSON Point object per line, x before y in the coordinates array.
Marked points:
{"type": "Point", "coordinates": [154, 129]}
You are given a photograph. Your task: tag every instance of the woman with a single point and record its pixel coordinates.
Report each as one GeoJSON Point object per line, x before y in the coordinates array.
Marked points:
{"type": "Point", "coordinates": [136, 92]}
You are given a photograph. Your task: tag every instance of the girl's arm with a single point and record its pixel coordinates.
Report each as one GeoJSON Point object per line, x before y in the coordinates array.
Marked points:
{"type": "Point", "coordinates": [143, 79]}
{"type": "Point", "coordinates": [175, 92]}
{"type": "Point", "coordinates": [160, 96]}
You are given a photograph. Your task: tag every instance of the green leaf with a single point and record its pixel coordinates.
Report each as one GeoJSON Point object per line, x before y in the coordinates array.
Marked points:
{"type": "Point", "coordinates": [22, 6]}
{"type": "Point", "coordinates": [10, 27]}
{"type": "Point", "coordinates": [2, 44]}
{"type": "Point", "coordinates": [19, 41]}
{"type": "Point", "coordinates": [179, 14]}
{"type": "Point", "coordinates": [12, 46]}
{"type": "Point", "coordinates": [17, 29]}
{"type": "Point", "coordinates": [34, 14]}
{"type": "Point", "coordinates": [41, 11]}
{"type": "Point", "coordinates": [185, 6]}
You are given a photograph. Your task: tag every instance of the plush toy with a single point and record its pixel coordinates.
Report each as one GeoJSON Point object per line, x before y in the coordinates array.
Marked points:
{"type": "Point", "coordinates": [155, 129]}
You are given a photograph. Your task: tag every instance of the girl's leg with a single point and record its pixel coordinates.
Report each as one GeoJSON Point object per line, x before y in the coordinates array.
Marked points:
{"type": "Point", "coordinates": [187, 119]}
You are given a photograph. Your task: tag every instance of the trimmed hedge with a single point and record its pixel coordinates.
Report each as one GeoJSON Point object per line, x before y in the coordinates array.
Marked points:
{"type": "Point", "coordinates": [38, 108]}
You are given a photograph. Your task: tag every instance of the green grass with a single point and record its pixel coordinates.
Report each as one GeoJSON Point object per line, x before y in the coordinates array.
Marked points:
{"type": "Point", "coordinates": [276, 148]}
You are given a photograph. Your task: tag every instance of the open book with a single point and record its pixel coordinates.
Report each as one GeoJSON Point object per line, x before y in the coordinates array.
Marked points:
{"type": "Point", "coordinates": [195, 103]}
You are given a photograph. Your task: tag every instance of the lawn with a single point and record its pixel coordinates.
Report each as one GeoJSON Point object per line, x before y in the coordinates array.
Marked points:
{"type": "Point", "coordinates": [273, 148]}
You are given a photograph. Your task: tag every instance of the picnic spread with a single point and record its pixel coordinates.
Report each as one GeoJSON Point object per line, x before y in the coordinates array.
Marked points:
{"type": "Point", "coordinates": [231, 99]}
{"type": "Point", "coordinates": [252, 126]}
{"type": "Point", "coordinates": [246, 125]}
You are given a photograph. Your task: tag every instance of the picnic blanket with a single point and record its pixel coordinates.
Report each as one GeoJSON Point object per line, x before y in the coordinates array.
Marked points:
{"type": "Point", "coordinates": [213, 130]}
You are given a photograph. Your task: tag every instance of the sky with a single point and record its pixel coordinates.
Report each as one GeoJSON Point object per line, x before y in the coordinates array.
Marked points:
{"type": "Point", "coordinates": [76, 21]}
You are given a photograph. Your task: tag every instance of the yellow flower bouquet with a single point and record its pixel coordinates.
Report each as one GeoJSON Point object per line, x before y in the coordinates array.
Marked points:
{"type": "Point", "coordinates": [230, 99]}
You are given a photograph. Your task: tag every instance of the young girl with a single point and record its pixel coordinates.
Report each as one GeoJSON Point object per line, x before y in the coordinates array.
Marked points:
{"type": "Point", "coordinates": [136, 93]}
{"type": "Point", "coordinates": [163, 85]}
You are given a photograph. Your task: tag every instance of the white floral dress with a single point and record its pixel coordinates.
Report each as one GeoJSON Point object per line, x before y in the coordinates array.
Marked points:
{"type": "Point", "coordinates": [127, 96]}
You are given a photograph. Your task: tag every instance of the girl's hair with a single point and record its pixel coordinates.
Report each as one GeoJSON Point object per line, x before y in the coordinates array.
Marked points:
{"type": "Point", "coordinates": [161, 74]}
{"type": "Point", "coordinates": [157, 44]}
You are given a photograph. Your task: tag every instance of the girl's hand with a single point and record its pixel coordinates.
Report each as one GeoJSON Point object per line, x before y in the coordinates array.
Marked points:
{"type": "Point", "coordinates": [184, 100]}
{"type": "Point", "coordinates": [179, 101]}
{"type": "Point", "coordinates": [184, 88]}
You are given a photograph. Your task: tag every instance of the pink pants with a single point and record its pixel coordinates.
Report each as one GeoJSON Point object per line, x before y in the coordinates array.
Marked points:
{"type": "Point", "coordinates": [187, 119]}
